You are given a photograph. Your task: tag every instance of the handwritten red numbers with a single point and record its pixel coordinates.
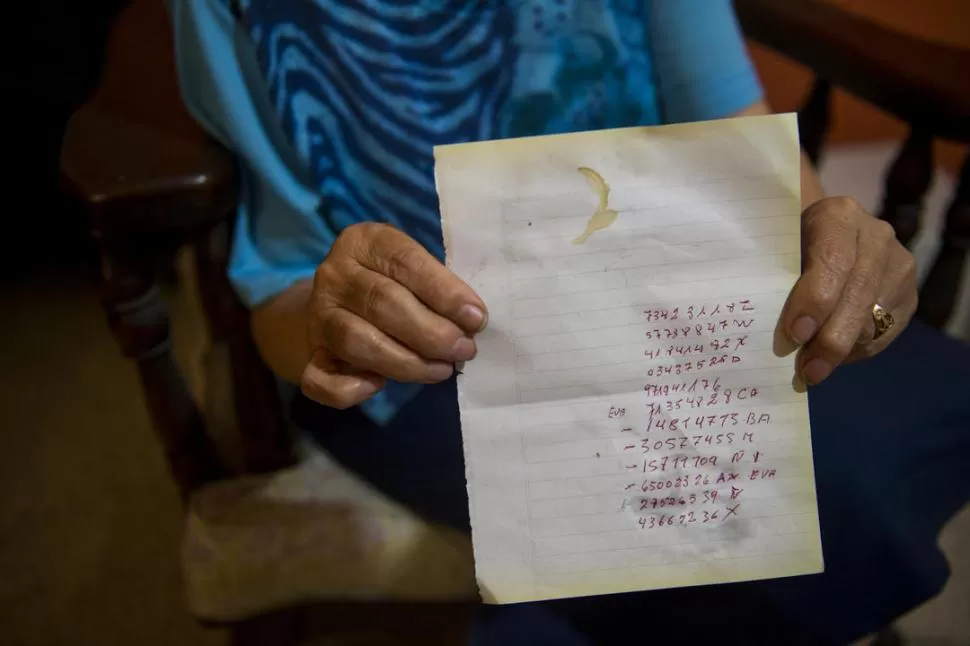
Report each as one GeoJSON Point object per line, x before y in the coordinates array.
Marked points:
{"type": "Point", "coordinates": [697, 311]}
{"type": "Point", "coordinates": [693, 460]}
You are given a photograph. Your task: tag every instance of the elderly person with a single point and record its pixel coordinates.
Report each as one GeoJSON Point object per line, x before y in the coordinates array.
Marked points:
{"type": "Point", "coordinates": [333, 107]}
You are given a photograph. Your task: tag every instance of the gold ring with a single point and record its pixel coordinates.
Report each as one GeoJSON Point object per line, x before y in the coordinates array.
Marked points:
{"type": "Point", "coordinates": [883, 319]}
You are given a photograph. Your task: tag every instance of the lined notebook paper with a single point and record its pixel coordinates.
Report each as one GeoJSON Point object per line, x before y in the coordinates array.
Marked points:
{"type": "Point", "coordinates": [625, 424]}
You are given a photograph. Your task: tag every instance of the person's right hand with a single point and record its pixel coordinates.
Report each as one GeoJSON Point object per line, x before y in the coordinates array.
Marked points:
{"type": "Point", "coordinates": [383, 307]}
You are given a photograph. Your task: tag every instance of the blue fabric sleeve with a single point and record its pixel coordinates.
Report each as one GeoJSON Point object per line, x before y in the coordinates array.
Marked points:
{"type": "Point", "coordinates": [278, 239]}
{"type": "Point", "coordinates": [700, 60]}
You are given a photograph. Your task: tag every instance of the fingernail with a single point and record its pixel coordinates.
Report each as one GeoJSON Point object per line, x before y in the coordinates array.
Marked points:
{"type": "Point", "coordinates": [438, 371]}
{"type": "Point", "coordinates": [464, 349]}
{"type": "Point", "coordinates": [816, 370]}
{"type": "Point", "coordinates": [366, 388]}
{"type": "Point", "coordinates": [472, 318]}
{"type": "Point", "coordinates": [798, 384]}
{"type": "Point", "coordinates": [803, 329]}
{"type": "Point", "coordinates": [781, 344]}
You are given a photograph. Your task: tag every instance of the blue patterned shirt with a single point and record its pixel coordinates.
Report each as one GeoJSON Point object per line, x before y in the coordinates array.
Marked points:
{"type": "Point", "coordinates": [333, 106]}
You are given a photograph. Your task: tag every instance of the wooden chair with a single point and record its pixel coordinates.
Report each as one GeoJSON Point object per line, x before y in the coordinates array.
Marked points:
{"type": "Point", "coordinates": [152, 181]}
{"type": "Point", "coordinates": [919, 82]}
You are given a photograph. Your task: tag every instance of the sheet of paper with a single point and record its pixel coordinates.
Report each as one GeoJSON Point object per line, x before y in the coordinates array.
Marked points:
{"type": "Point", "coordinates": [625, 424]}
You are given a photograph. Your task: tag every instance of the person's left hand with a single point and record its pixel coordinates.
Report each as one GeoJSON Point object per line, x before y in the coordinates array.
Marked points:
{"type": "Point", "coordinates": [851, 261]}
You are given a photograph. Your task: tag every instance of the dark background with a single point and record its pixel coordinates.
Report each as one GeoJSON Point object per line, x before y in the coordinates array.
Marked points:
{"type": "Point", "coordinates": [62, 45]}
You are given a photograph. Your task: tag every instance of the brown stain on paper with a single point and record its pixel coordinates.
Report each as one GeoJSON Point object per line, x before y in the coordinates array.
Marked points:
{"type": "Point", "coordinates": [603, 216]}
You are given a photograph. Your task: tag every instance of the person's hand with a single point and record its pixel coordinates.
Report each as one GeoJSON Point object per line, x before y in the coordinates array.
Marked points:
{"type": "Point", "coordinates": [383, 307]}
{"type": "Point", "coordinates": [851, 262]}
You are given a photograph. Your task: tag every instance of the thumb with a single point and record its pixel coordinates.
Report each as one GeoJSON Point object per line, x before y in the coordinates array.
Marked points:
{"type": "Point", "coordinates": [331, 383]}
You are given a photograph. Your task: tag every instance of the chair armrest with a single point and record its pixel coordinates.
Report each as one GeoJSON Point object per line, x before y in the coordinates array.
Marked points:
{"type": "Point", "coordinates": [919, 81]}
{"type": "Point", "coordinates": [152, 181]}
{"type": "Point", "coordinates": [140, 180]}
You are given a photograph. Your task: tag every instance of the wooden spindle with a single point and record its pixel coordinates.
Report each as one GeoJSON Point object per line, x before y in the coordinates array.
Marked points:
{"type": "Point", "coordinates": [138, 317]}
{"type": "Point", "coordinates": [907, 181]}
{"type": "Point", "coordinates": [939, 294]}
{"type": "Point", "coordinates": [814, 118]}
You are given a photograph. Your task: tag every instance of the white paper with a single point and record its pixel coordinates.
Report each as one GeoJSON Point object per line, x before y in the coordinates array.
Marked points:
{"type": "Point", "coordinates": [593, 466]}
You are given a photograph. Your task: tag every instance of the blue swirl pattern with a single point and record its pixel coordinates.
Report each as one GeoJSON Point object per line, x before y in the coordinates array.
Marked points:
{"type": "Point", "coordinates": [365, 88]}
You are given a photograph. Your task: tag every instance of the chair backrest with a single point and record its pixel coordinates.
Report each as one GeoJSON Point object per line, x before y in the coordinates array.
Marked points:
{"type": "Point", "coordinates": [916, 80]}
